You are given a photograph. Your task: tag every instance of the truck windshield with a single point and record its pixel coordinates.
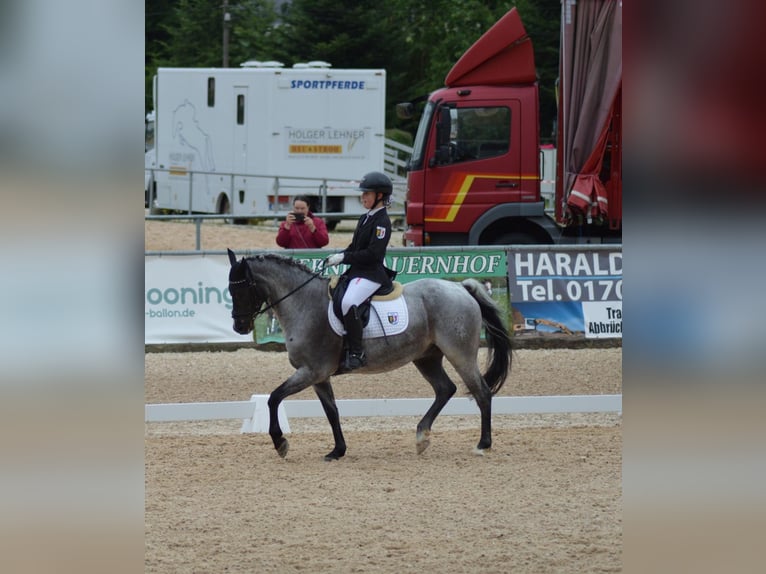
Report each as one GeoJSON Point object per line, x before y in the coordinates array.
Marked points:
{"type": "Point", "coordinates": [419, 146]}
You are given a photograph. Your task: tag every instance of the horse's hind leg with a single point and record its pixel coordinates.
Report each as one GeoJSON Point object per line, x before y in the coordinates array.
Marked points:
{"type": "Point", "coordinates": [432, 369]}
{"type": "Point", "coordinates": [483, 396]}
{"type": "Point", "coordinates": [327, 398]}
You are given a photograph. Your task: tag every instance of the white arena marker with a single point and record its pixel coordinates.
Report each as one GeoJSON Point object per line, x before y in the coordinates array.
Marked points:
{"type": "Point", "coordinates": [246, 410]}
{"type": "Point", "coordinates": [259, 422]}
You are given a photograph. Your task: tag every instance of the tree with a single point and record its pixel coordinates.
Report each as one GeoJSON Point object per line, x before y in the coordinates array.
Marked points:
{"type": "Point", "coordinates": [253, 32]}
{"type": "Point", "coordinates": [156, 41]}
{"type": "Point", "coordinates": [189, 33]}
{"type": "Point", "coordinates": [345, 33]}
{"type": "Point", "coordinates": [195, 34]}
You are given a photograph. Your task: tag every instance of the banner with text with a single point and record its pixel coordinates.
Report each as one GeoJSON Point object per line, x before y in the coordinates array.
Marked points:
{"type": "Point", "coordinates": [186, 300]}
{"type": "Point", "coordinates": [567, 290]}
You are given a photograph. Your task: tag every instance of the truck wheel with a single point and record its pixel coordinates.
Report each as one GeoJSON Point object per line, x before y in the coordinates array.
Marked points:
{"type": "Point", "coordinates": [515, 238]}
{"type": "Point", "coordinates": [225, 208]}
{"type": "Point", "coordinates": [153, 209]}
{"type": "Point", "coordinates": [151, 198]}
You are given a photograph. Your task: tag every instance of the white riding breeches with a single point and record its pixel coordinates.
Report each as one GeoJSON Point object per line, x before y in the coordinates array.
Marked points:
{"type": "Point", "coordinates": [358, 290]}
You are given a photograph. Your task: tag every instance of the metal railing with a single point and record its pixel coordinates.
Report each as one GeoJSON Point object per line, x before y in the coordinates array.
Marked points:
{"type": "Point", "coordinates": [396, 156]}
{"type": "Point", "coordinates": [198, 219]}
{"type": "Point", "coordinates": [269, 190]}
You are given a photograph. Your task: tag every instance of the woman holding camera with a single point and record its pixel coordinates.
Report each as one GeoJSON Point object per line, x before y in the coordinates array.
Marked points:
{"type": "Point", "coordinates": [301, 229]}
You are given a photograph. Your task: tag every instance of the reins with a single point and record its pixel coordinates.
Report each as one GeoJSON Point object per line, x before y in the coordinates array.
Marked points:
{"type": "Point", "coordinates": [278, 301]}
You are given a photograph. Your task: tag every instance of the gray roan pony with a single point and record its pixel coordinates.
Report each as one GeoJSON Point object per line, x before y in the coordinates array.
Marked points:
{"type": "Point", "coordinates": [445, 320]}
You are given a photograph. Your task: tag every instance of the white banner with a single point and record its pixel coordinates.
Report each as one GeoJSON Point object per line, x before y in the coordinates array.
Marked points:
{"type": "Point", "coordinates": [603, 320]}
{"type": "Point", "coordinates": [186, 300]}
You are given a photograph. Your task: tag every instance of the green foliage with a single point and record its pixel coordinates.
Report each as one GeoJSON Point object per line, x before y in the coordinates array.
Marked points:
{"type": "Point", "coordinates": [195, 34]}
{"type": "Point", "coordinates": [415, 41]}
{"type": "Point", "coordinates": [346, 33]}
{"type": "Point", "coordinates": [254, 33]}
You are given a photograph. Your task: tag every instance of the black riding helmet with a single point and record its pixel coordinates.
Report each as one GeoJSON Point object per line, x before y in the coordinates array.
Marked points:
{"type": "Point", "coordinates": [377, 182]}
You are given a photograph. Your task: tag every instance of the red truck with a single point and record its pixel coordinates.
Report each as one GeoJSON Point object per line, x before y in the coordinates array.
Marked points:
{"type": "Point", "coordinates": [474, 177]}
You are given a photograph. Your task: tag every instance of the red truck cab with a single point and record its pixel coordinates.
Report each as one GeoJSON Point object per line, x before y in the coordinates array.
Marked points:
{"type": "Point", "coordinates": [478, 171]}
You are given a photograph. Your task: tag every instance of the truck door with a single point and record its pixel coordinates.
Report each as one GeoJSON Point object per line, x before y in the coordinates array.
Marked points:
{"type": "Point", "coordinates": [240, 129]}
{"type": "Point", "coordinates": [239, 148]}
{"type": "Point", "coordinates": [479, 168]}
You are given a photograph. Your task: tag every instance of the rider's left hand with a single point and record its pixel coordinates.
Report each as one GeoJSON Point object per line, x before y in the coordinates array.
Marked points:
{"type": "Point", "coordinates": [335, 259]}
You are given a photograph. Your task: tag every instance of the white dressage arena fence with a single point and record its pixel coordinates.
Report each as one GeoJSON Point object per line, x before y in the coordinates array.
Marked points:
{"type": "Point", "coordinates": [255, 412]}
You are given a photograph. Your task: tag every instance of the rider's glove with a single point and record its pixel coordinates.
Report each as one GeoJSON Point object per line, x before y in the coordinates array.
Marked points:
{"type": "Point", "coordinates": [335, 259]}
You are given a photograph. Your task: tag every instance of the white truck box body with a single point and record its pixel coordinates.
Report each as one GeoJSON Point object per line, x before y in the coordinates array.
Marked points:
{"type": "Point", "coordinates": [250, 132]}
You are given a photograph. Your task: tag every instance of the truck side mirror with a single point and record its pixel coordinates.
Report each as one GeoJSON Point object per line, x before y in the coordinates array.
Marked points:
{"type": "Point", "coordinates": [405, 110]}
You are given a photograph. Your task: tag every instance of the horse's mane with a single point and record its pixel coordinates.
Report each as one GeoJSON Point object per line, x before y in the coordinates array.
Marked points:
{"type": "Point", "coordinates": [282, 259]}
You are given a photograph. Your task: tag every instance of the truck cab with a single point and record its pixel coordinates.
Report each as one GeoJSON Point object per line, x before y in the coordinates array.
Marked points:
{"type": "Point", "coordinates": [474, 171]}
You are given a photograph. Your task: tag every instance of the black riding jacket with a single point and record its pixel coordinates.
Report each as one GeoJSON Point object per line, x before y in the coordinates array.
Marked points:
{"type": "Point", "coordinates": [367, 251]}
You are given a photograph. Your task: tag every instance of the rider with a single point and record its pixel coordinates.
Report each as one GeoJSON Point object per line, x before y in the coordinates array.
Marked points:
{"type": "Point", "coordinates": [365, 255]}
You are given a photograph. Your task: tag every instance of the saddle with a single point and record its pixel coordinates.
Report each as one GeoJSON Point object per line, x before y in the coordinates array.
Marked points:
{"type": "Point", "coordinates": [339, 284]}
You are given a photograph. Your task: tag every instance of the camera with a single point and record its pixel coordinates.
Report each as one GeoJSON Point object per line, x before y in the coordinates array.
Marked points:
{"type": "Point", "coordinates": [299, 216]}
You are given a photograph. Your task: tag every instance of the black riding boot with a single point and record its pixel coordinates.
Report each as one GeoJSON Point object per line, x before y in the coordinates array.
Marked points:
{"type": "Point", "coordinates": [355, 356]}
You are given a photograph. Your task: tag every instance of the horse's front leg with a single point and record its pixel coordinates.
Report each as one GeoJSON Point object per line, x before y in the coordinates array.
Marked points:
{"type": "Point", "coordinates": [275, 431]}
{"type": "Point", "coordinates": [327, 398]}
{"type": "Point", "coordinates": [299, 380]}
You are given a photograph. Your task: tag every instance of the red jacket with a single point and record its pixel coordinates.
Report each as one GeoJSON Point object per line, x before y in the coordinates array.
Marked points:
{"type": "Point", "coordinates": [299, 236]}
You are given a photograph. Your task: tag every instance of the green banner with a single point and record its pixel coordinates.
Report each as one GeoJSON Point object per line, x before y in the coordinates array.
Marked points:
{"type": "Point", "coordinates": [489, 267]}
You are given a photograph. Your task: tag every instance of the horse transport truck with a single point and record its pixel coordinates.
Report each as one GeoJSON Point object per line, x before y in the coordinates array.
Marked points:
{"type": "Point", "coordinates": [474, 174]}
{"type": "Point", "coordinates": [242, 141]}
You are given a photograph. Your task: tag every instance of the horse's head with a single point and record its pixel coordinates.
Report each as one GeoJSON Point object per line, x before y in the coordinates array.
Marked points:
{"type": "Point", "coordinates": [245, 297]}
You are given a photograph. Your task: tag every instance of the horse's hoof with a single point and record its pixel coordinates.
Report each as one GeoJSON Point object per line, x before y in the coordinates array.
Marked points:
{"type": "Point", "coordinates": [334, 455]}
{"type": "Point", "coordinates": [283, 448]}
{"type": "Point", "coordinates": [480, 451]}
{"type": "Point", "coordinates": [422, 441]}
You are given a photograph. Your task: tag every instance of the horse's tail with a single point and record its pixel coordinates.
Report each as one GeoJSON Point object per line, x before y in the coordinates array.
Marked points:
{"type": "Point", "coordinates": [499, 347]}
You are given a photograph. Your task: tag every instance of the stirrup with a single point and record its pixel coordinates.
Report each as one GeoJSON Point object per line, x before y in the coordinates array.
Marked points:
{"type": "Point", "coordinates": [355, 361]}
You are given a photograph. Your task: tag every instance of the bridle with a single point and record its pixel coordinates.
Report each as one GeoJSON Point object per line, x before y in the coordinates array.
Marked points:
{"type": "Point", "coordinates": [248, 315]}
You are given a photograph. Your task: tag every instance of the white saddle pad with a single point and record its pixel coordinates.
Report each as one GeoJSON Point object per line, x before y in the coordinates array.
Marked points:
{"type": "Point", "coordinates": [386, 318]}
